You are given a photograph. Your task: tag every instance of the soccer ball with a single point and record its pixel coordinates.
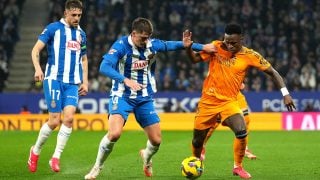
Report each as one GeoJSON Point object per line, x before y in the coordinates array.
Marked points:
{"type": "Point", "coordinates": [192, 167]}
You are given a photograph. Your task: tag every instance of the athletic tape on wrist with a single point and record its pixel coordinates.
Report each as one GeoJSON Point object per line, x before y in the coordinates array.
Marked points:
{"type": "Point", "coordinates": [284, 91]}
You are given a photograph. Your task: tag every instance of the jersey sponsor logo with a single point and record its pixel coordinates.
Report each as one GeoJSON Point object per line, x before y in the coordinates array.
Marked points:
{"type": "Point", "coordinates": [140, 64]}
{"type": "Point", "coordinates": [73, 45]}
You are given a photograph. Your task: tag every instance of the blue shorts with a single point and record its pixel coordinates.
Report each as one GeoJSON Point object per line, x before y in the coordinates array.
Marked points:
{"type": "Point", "coordinates": [143, 109]}
{"type": "Point", "coordinates": [59, 95]}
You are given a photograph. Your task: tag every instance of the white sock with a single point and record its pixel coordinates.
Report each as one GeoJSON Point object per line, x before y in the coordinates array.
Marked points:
{"type": "Point", "coordinates": [149, 152]}
{"type": "Point", "coordinates": [44, 133]}
{"type": "Point", "coordinates": [105, 148]}
{"type": "Point", "coordinates": [62, 139]}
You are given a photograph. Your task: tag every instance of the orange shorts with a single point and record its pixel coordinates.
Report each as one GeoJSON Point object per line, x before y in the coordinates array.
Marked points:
{"type": "Point", "coordinates": [209, 109]}
{"type": "Point", "coordinates": [242, 101]}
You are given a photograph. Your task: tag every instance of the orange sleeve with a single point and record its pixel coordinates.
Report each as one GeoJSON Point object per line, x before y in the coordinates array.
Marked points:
{"type": "Point", "coordinates": [258, 61]}
{"type": "Point", "coordinates": [205, 56]}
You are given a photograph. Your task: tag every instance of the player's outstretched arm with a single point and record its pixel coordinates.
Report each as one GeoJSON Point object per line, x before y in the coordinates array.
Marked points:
{"type": "Point", "coordinates": [278, 80]}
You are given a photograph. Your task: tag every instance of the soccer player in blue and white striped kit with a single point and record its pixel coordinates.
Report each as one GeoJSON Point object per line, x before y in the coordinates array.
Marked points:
{"type": "Point", "coordinates": [130, 63]}
{"type": "Point", "coordinates": [66, 77]}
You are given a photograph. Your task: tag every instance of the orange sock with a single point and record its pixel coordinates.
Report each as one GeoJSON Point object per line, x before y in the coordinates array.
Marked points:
{"type": "Point", "coordinates": [239, 147]}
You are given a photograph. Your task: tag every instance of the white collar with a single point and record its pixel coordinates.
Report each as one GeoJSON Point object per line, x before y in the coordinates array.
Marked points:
{"type": "Point", "coordinates": [63, 21]}
{"type": "Point", "coordinates": [133, 45]}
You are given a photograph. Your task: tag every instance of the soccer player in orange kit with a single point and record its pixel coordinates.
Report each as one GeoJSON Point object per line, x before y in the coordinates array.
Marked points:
{"type": "Point", "coordinates": [227, 70]}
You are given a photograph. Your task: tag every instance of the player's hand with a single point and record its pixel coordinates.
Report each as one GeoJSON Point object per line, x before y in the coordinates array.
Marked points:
{"type": "Point", "coordinates": [289, 103]}
{"type": "Point", "coordinates": [83, 90]}
{"type": "Point", "coordinates": [209, 48]}
{"type": "Point", "coordinates": [38, 76]}
{"type": "Point", "coordinates": [133, 85]}
{"type": "Point", "coordinates": [186, 38]}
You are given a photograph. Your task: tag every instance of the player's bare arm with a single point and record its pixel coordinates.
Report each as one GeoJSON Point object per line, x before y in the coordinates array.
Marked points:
{"type": "Point", "coordinates": [35, 55]}
{"type": "Point", "coordinates": [278, 80]}
{"type": "Point", "coordinates": [83, 89]}
{"type": "Point", "coordinates": [193, 56]}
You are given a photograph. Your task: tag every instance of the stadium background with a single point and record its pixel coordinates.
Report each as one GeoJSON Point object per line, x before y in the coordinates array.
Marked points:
{"type": "Point", "coordinates": [285, 32]}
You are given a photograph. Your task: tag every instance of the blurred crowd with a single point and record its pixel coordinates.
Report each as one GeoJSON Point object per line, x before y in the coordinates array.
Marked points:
{"type": "Point", "coordinates": [10, 11]}
{"type": "Point", "coordinates": [286, 32]}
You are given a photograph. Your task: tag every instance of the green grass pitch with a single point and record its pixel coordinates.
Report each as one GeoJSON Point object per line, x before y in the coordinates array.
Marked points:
{"type": "Point", "coordinates": [281, 156]}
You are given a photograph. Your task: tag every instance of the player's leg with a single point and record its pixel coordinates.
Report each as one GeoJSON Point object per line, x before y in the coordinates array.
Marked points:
{"type": "Point", "coordinates": [149, 121]}
{"type": "Point", "coordinates": [119, 110]}
{"type": "Point", "coordinates": [115, 124]}
{"type": "Point", "coordinates": [44, 133]}
{"type": "Point", "coordinates": [152, 146]}
{"type": "Point", "coordinates": [244, 106]}
{"type": "Point", "coordinates": [248, 152]}
{"type": "Point", "coordinates": [237, 124]}
{"type": "Point", "coordinates": [198, 139]}
{"type": "Point", "coordinates": [62, 137]}
{"type": "Point", "coordinates": [69, 101]}
{"type": "Point", "coordinates": [54, 109]}
{"type": "Point", "coordinates": [205, 121]}
{"type": "Point", "coordinates": [210, 132]}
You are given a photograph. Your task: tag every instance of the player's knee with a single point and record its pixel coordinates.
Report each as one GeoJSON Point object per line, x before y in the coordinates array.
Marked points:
{"type": "Point", "coordinates": [155, 142]}
{"type": "Point", "coordinates": [241, 134]}
{"type": "Point", "coordinates": [114, 136]}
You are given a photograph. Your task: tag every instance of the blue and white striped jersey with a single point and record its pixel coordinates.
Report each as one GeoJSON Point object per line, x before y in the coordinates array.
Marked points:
{"type": "Point", "coordinates": [125, 60]}
{"type": "Point", "coordinates": [66, 46]}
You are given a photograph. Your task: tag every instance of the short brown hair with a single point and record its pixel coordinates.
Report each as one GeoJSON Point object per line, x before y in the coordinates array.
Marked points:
{"type": "Point", "coordinates": [142, 25]}
{"type": "Point", "coordinates": [73, 4]}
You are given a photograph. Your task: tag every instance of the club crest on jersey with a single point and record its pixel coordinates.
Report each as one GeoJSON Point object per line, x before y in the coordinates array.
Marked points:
{"type": "Point", "coordinates": [53, 104]}
{"type": "Point", "coordinates": [111, 51]}
{"type": "Point", "coordinates": [139, 64]}
{"type": "Point", "coordinates": [73, 45]}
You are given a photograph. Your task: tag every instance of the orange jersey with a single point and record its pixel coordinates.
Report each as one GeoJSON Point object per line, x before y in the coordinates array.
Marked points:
{"type": "Point", "coordinates": [227, 72]}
